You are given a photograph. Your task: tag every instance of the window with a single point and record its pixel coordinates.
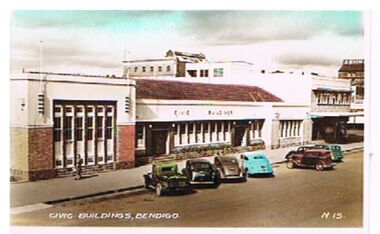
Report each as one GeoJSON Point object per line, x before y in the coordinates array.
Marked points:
{"type": "Point", "coordinates": [182, 128]}
{"type": "Point", "coordinates": [225, 126]}
{"type": "Point", "coordinates": [79, 128]}
{"type": "Point", "coordinates": [68, 109]}
{"type": "Point", "coordinates": [198, 128]}
{"type": "Point", "coordinates": [191, 128]}
{"type": "Point", "coordinates": [290, 128]}
{"type": "Point", "coordinates": [140, 136]}
{"type": "Point", "coordinates": [212, 127]}
{"type": "Point", "coordinates": [89, 128]}
{"type": "Point", "coordinates": [57, 129]}
{"type": "Point", "coordinates": [109, 126]}
{"type": "Point", "coordinates": [205, 127]}
{"type": "Point", "coordinates": [109, 109]}
{"type": "Point", "coordinates": [219, 126]}
{"type": "Point", "coordinates": [90, 109]}
{"type": "Point", "coordinates": [160, 68]}
{"type": "Point", "coordinates": [79, 109]}
{"type": "Point", "coordinates": [204, 73]}
{"type": "Point", "coordinates": [143, 69]}
{"type": "Point", "coordinates": [192, 73]}
{"type": "Point", "coordinates": [151, 69]}
{"type": "Point", "coordinates": [99, 127]}
{"type": "Point", "coordinates": [168, 68]}
{"type": "Point", "coordinates": [67, 128]}
{"type": "Point", "coordinates": [218, 72]}
{"type": "Point", "coordinates": [136, 69]}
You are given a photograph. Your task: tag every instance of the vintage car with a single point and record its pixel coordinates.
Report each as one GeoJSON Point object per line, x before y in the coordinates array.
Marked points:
{"type": "Point", "coordinates": [256, 163]}
{"type": "Point", "coordinates": [309, 157]}
{"type": "Point", "coordinates": [165, 177]}
{"type": "Point", "coordinates": [200, 171]}
{"type": "Point", "coordinates": [336, 151]}
{"type": "Point", "coordinates": [228, 168]}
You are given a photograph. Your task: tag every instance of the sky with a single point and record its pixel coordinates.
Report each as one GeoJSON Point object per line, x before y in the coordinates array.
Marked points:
{"type": "Point", "coordinates": [96, 42]}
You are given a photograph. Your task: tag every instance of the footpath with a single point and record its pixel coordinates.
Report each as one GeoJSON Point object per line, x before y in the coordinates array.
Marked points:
{"type": "Point", "coordinates": [26, 196]}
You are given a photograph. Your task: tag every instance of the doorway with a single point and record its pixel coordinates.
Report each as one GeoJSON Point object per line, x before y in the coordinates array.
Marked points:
{"type": "Point", "coordinates": [159, 139]}
{"type": "Point", "coordinates": [239, 135]}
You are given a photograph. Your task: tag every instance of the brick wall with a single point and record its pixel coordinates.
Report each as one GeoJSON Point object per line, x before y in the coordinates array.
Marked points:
{"type": "Point", "coordinates": [41, 164]}
{"type": "Point", "coordinates": [32, 153]}
{"type": "Point", "coordinates": [126, 147]}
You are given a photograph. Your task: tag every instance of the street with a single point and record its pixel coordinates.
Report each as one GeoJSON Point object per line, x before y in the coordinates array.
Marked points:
{"type": "Point", "coordinates": [293, 198]}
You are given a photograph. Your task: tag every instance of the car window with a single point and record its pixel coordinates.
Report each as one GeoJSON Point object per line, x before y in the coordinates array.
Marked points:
{"type": "Point", "coordinates": [229, 160]}
{"type": "Point", "coordinates": [200, 166]}
{"type": "Point", "coordinates": [168, 170]}
{"type": "Point", "coordinates": [258, 157]}
{"type": "Point", "coordinates": [246, 158]}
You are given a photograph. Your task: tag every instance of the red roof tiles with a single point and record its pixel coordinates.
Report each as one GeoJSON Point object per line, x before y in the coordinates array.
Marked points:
{"type": "Point", "coordinates": [178, 90]}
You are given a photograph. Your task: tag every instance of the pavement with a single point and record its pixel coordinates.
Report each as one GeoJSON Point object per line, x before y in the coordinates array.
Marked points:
{"type": "Point", "coordinates": [27, 195]}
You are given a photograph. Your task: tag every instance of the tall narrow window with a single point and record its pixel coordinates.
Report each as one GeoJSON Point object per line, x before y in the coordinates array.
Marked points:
{"type": "Point", "coordinates": [109, 127]}
{"type": "Point", "coordinates": [68, 128]}
{"type": "Point", "coordinates": [79, 128]}
{"type": "Point", "coordinates": [99, 127]}
{"type": "Point", "coordinates": [90, 128]}
{"type": "Point", "coordinates": [57, 129]}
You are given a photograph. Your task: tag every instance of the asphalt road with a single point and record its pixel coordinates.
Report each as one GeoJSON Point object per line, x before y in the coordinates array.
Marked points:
{"type": "Point", "coordinates": [293, 198]}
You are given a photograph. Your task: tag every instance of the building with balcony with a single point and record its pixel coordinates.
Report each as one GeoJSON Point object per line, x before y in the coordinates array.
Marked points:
{"type": "Point", "coordinates": [353, 70]}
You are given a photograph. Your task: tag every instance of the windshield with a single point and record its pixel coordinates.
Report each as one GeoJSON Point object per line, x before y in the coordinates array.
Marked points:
{"type": "Point", "coordinates": [336, 147]}
{"type": "Point", "coordinates": [168, 170]}
{"type": "Point", "coordinates": [258, 157]}
{"type": "Point", "coordinates": [198, 166]}
{"type": "Point", "coordinates": [229, 160]}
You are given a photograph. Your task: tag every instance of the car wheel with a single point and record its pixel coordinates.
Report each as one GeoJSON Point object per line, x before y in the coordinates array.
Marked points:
{"type": "Point", "coordinates": [159, 189]}
{"type": "Point", "coordinates": [146, 184]}
{"type": "Point", "coordinates": [290, 164]}
{"type": "Point", "coordinates": [245, 176]}
{"type": "Point", "coordinates": [319, 166]}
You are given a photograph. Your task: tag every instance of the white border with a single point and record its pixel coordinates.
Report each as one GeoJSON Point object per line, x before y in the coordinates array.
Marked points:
{"type": "Point", "coordinates": [372, 137]}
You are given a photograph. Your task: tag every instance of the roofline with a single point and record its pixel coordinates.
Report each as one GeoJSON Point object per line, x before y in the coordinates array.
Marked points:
{"type": "Point", "coordinates": [149, 60]}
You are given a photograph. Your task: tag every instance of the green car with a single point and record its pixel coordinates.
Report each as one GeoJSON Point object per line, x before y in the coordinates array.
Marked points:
{"type": "Point", "coordinates": [165, 177]}
{"type": "Point", "coordinates": [336, 151]}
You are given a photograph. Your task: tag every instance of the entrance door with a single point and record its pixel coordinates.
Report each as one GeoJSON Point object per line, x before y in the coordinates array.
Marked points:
{"type": "Point", "coordinates": [239, 134]}
{"type": "Point", "coordinates": [159, 139]}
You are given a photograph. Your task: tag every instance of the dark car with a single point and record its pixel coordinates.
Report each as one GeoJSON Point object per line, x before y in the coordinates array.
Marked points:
{"type": "Point", "coordinates": [200, 171]}
{"type": "Point", "coordinates": [336, 151]}
{"type": "Point", "coordinates": [165, 177]}
{"type": "Point", "coordinates": [309, 157]}
{"type": "Point", "coordinates": [228, 168]}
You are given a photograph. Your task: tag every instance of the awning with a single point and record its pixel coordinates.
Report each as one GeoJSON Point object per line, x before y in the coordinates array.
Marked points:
{"type": "Point", "coordinates": [314, 115]}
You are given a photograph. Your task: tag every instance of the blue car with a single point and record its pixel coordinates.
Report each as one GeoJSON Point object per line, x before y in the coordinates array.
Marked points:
{"type": "Point", "coordinates": [256, 163]}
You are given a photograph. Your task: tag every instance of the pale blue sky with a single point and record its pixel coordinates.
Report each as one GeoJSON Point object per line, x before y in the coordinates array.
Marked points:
{"type": "Point", "coordinates": [94, 41]}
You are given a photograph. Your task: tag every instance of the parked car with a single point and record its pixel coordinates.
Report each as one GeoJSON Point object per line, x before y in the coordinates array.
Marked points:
{"type": "Point", "coordinates": [336, 151]}
{"type": "Point", "coordinates": [165, 177]}
{"type": "Point", "coordinates": [256, 163]}
{"type": "Point", "coordinates": [200, 171]}
{"type": "Point", "coordinates": [228, 168]}
{"type": "Point", "coordinates": [309, 157]}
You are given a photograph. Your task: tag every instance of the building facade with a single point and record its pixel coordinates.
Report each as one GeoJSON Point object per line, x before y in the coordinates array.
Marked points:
{"type": "Point", "coordinates": [175, 116]}
{"type": "Point", "coordinates": [55, 117]}
{"type": "Point", "coordinates": [353, 70]}
{"type": "Point", "coordinates": [327, 99]}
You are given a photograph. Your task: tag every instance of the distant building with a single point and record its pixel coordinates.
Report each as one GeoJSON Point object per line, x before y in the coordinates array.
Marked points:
{"type": "Point", "coordinates": [353, 70]}
{"type": "Point", "coordinates": [172, 65]}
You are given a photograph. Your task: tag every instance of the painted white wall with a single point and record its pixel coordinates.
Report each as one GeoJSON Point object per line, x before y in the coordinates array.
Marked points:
{"type": "Point", "coordinates": [67, 88]}
{"type": "Point", "coordinates": [331, 83]}
{"type": "Point", "coordinates": [163, 110]}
